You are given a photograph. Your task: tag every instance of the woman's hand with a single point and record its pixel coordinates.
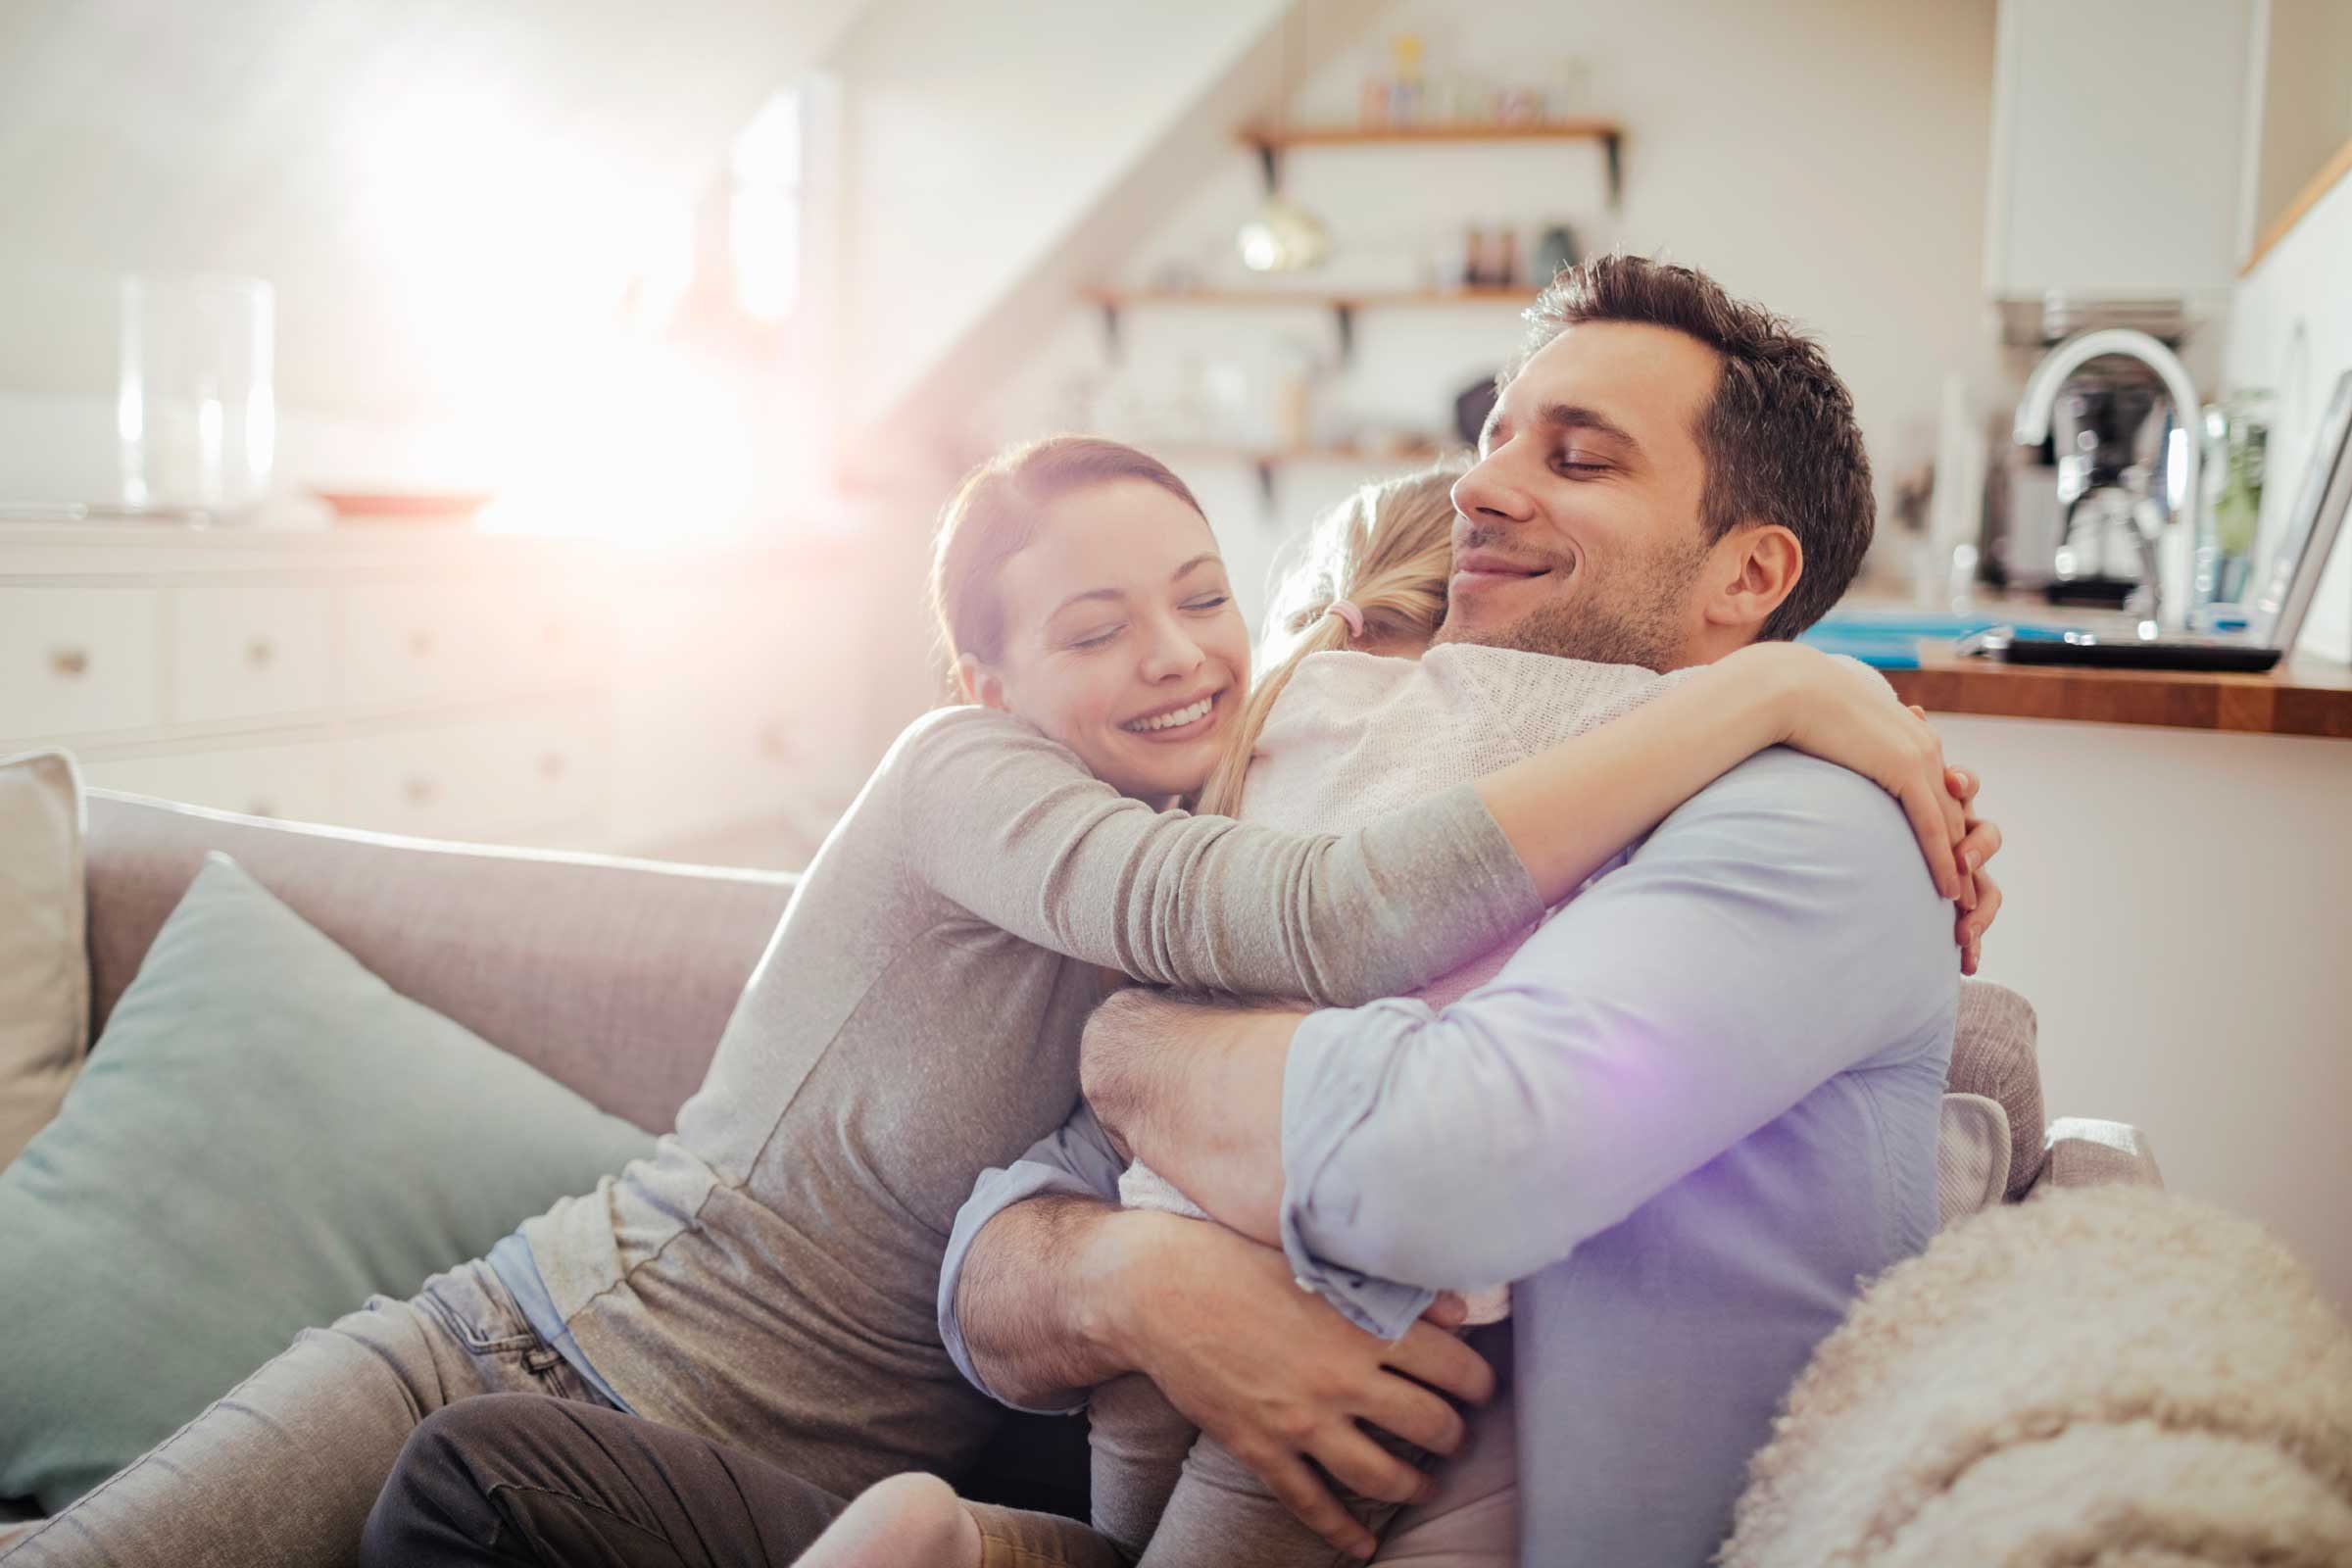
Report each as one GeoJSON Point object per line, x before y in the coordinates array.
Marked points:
{"type": "Point", "coordinates": [1981, 901]}
{"type": "Point", "coordinates": [1844, 713]}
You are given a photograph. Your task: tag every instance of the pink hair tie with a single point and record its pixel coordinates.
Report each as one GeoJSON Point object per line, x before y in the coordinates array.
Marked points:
{"type": "Point", "coordinates": [1348, 612]}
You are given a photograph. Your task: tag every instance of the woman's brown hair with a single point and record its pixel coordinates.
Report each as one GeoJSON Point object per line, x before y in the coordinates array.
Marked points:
{"type": "Point", "coordinates": [993, 516]}
{"type": "Point", "coordinates": [1387, 550]}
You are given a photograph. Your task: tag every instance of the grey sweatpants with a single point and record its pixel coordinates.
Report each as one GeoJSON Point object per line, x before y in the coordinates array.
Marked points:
{"type": "Point", "coordinates": [1168, 1495]}
{"type": "Point", "coordinates": [282, 1471]}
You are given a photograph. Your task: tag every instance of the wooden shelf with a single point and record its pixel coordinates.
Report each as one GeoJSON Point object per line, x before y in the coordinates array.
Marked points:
{"type": "Point", "coordinates": [1420, 452]}
{"type": "Point", "coordinates": [1603, 130]}
{"type": "Point", "coordinates": [1270, 144]}
{"type": "Point", "coordinates": [1343, 307]}
{"type": "Point", "coordinates": [1119, 299]}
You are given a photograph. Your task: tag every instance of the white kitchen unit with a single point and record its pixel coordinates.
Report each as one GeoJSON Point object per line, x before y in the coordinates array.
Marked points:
{"type": "Point", "coordinates": [2117, 136]}
{"type": "Point", "coordinates": [2178, 905]}
{"type": "Point", "coordinates": [441, 682]}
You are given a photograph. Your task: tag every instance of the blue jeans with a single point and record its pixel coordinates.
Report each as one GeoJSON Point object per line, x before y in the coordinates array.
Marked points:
{"type": "Point", "coordinates": [281, 1472]}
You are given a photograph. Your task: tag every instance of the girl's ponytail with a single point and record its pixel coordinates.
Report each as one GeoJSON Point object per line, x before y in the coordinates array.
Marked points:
{"type": "Point", "coordinates": [1387, 550]}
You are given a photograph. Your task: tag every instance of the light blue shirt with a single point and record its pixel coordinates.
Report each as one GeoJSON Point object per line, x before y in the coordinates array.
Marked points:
{"type": "Point", "coordinates": [1688, 1116]}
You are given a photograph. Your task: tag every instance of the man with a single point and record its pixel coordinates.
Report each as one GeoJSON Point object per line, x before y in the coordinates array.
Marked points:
{"type": "Point", "coordinates": [1694, 1109]}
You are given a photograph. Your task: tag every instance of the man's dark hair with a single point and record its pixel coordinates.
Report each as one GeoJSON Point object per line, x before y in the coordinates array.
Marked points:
{"type": "Point", "coordinates": [1778, 438]}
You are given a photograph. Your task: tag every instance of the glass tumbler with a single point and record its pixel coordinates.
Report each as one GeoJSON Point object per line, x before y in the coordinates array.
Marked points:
{"type": "Point", "coordinates": [196, 403]}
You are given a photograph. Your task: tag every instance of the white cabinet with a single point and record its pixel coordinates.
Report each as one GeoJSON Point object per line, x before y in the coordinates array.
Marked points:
{"type": "Point", "coordinates": [451, 685]}
{"type": "Point", "coordinates": [75, 661]}
{"type": "Point", "coordinates": [241, 650]}
{"type": "Point", "coordinates": [2118, 147]}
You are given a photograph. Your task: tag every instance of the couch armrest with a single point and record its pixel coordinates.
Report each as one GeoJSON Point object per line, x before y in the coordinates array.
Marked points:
{"type": "Point", "coordinates": [2083, 1151]}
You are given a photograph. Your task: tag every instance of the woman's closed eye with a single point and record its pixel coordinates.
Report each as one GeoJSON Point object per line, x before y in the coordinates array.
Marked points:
{"type": "Point", "coordinates": [1098, 637]}
{"type": "Point", "coordinates": [1206, 602]}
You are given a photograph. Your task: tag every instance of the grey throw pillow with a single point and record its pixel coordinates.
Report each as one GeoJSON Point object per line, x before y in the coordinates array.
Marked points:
{"type": "Point", "coordinates": [264, 1135]}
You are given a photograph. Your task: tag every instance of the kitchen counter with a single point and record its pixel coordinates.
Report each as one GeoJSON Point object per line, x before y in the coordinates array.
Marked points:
{"type": "Point", "coordinates": [2304, 696]}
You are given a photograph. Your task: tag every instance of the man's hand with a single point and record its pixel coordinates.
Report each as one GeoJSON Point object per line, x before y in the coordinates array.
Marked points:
{"type": "Point", "coordinates": [1280, 1378]}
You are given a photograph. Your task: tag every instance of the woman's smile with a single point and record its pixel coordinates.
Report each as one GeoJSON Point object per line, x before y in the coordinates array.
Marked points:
{"type": "Point", "coordinates": [1179, 722]}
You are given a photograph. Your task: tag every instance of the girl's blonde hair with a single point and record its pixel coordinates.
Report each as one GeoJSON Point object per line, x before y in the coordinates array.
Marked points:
{"type": "Point", "coordinates": [1387, 550]}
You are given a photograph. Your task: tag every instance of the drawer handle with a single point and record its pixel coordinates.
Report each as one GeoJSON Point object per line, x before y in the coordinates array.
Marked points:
{"type": "Point", "coordinates": [418, 790]}
{"type": "Point", "coordinates": [69, 663]}
{"type": "Point", "coordinates": [551, 765]}
{"type": "Point", "coordinates": [261, 652]}
{"type": "Point", "coordinates": [421, 644]}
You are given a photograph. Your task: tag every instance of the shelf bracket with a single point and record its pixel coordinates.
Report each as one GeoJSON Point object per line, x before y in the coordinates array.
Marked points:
{"type": "Point", "coordinates": [1613, 147]}
{"type": "Point", "coordinates": [1264, 464]}
{"type": "Point", "coordinates": [1342, 311]}
{"type": "Point", "coordinates": [1269, 167]}
{"type": "Point", "coordinates": [1111, 345]}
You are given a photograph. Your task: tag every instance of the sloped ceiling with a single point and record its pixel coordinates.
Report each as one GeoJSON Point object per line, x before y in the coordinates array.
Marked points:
{"type": "Point", "coordinates": [1064, 160]}
{"type": "Point", "coordinates": [368, 156]}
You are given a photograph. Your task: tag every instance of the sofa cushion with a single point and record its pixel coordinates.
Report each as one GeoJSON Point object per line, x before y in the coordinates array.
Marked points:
{"type": "Point", "coordinates": [1972, 1158]}
{"type": "Point", "coordinates": [1993, 1055]}
{"type": "Point", "coordinates": [613, 977]}
{"type": "Point", "coordinates": [44, 972]}
{"type": "Point", "coordinates": [265, 1135]}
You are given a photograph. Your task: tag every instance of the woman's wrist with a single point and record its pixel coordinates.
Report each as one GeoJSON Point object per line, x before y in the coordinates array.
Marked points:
{"type": "Point", "coordinates": [1768, 682]}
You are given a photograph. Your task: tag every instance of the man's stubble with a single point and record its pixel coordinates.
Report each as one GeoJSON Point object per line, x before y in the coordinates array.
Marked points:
{"type": "Point", "coordinates": [1636, 616]}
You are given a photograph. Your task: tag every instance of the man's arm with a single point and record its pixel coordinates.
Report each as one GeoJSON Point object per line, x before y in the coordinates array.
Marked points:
{"type": "Point", "coordinates": [1776, 931]}
{"type": "Point", "coordinates": [1047, 1291]}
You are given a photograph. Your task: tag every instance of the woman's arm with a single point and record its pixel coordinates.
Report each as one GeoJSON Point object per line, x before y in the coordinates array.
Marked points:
{"type": "Point", "coordinates": [1010, 825]}
{"type": "Point", "coordinates": [1567, 809]}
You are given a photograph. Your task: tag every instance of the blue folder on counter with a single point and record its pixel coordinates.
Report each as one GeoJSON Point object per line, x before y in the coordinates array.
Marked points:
{"type": "Point", "coordinates": [1888, 639]}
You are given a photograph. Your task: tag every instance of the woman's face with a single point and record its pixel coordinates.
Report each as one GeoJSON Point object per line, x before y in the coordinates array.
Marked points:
{"type": "Point", "coordinates": [1122, 637]}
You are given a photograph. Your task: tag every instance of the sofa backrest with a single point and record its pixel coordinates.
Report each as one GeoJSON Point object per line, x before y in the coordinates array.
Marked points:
{"type": "Point", "coordinates": [613, 977]}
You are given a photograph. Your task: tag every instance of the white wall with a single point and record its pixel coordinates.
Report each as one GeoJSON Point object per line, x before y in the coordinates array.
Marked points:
{"type": "Point", "coordinates": [1826, 157]}
{"type": "Point", "coordinates": [2290, 330]}
{"type": "Point", "coordinates": [977, 140]}
{"type": "Point", "coordinates": [2179, 913]}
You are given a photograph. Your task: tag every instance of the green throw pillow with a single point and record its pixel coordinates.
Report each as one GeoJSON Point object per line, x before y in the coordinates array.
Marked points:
{"type": "Point", "coordinates": [264, 1135]}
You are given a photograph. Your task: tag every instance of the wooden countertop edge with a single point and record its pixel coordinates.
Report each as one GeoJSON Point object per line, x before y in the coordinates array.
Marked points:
{"type": "Point", "coordinates": [2304, 697]}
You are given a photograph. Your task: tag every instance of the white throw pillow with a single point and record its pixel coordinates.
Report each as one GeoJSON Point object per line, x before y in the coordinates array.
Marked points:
{"type": "Point", "coordinates": [45, 960]}
{"type": "Point", "coordinates": [1972, 1157]}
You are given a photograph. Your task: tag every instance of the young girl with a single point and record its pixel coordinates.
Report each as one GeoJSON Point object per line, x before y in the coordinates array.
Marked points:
{"type": "Point", "coordinates": [1356, 718]}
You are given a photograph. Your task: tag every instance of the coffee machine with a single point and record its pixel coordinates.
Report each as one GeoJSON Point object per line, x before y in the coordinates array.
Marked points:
{"type": "Point", "coordinates": [2086, 477]}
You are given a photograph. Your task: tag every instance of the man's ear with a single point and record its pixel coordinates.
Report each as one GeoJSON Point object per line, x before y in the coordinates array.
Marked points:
{"type": "Point", "coordinates": [980, 684]}
{"type": "Point", "coordinates": [1756, 568]}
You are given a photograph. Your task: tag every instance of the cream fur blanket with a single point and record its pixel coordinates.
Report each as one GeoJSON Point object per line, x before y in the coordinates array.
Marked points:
{"type": "Point", "coordinates": [2098, 1376]}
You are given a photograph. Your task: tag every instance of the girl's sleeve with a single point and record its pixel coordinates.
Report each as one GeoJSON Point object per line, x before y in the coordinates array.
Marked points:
{"type": "Point", "coordinates": [1012, 826]}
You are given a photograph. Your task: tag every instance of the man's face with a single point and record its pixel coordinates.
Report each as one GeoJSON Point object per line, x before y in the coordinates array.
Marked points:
{"type": "Point", "coordinates": [1578, 531]}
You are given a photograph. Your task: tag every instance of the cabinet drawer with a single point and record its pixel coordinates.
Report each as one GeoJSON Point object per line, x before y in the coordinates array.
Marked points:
{"type": "Point", "coordinates": [241, 652]}
{"type": "Point", "coordinates": [294, 782]}
{"type": "Point", "coordinates": [414, 642]}
{"type": "Point", "coordinates": [479, 780]}
{"type": "Point", "coordinates": [77, 661]}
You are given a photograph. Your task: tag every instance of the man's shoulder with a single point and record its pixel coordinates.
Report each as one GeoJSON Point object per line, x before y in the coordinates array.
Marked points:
{"type": "Point", "coordinates": [1796, 830]}
{"type": "Point", "coordinates": [1801, 794]}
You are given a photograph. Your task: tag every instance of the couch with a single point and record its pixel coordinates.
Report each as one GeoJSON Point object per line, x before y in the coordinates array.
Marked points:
{"type": "Point", "coordinates": [616, 977]}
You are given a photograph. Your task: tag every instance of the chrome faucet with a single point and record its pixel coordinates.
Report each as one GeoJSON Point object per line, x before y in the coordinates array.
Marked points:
{"type": "Point", "coordinates": [2167, 579]}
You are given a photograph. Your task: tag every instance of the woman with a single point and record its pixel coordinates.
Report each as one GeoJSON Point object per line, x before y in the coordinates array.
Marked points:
{"type": "Point", "coordinates": [941, 954]}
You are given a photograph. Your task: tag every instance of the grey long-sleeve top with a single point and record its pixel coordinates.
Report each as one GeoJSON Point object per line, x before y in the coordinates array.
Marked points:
{"type": "Point", "coordinates": [769, 1276]}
